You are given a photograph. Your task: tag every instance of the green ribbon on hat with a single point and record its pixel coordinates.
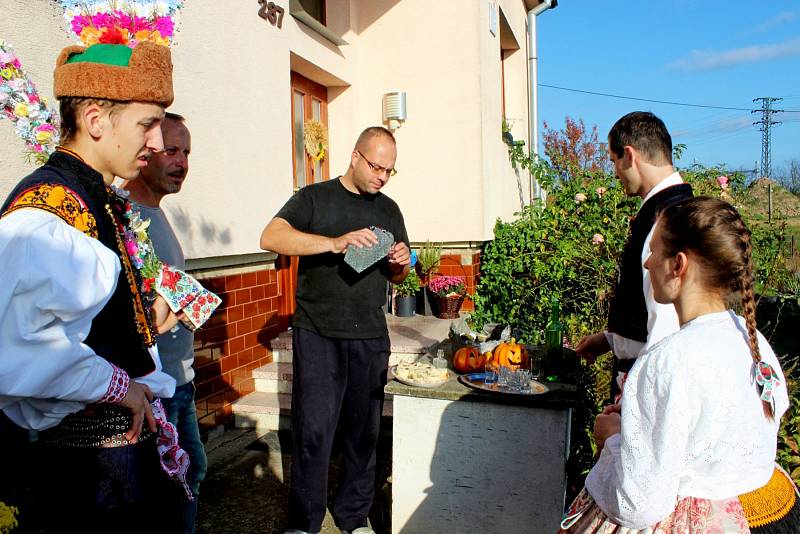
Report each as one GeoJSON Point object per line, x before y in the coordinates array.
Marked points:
{"type": "Point", "coordinates": [107, 54]}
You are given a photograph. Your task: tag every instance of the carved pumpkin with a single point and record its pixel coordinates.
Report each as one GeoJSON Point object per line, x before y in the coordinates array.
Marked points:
{"type": "Point", "coordinates": [511, 355]}
{"type": "Point", "coordinates": [468, 360]}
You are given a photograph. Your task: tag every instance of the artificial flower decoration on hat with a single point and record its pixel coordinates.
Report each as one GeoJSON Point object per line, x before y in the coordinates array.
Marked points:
{"type": "Point", "coordinates": [126, 22]}
{"type": "Point", "coordinates": [20, 103]}
{"type": "Point", "coordinates": [107, 22]}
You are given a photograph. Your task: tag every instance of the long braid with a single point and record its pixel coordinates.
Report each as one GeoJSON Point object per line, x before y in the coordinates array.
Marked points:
{"type": "Point", "coordinates": [749, 307]}
{"type": "Point", "coordinates": [715, 231]}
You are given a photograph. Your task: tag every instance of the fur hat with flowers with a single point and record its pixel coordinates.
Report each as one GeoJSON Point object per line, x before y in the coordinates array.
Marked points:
{"type": "Point", "coordinates": [115, 72]}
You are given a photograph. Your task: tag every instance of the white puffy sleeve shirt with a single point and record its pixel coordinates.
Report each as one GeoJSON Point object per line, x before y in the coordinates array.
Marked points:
{"type": "Point", "coordinates": [692, 425]}
{"type": "Point", "coordinates": [55, 280]}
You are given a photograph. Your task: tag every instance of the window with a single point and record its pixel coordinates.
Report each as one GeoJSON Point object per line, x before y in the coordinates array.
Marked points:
{"type": "Point", "coordinates": [315, 8]}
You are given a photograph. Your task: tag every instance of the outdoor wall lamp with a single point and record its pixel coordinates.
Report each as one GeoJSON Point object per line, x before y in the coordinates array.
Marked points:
{"type": "Point", "coordinates": [394, 109]}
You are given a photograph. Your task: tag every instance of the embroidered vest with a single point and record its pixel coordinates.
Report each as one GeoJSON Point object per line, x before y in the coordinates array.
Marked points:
{"type": "Point", "coordinates": [627, 314]}
{"type": "Point", "coordinates": [75, 192]}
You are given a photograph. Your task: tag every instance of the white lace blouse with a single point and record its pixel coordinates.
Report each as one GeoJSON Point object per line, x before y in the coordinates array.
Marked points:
{"type": "Point", "coordinates": [692, 424]}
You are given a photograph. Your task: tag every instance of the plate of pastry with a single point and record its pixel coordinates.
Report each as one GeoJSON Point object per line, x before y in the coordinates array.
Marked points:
{"type": "Point", "coordinates": [419, 374]}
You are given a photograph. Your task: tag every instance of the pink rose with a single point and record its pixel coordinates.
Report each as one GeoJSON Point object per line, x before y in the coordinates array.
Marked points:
{"type": "Point", "coordinates": [722, 181]}
{"type": "Point", "coordinates": [597, 239]}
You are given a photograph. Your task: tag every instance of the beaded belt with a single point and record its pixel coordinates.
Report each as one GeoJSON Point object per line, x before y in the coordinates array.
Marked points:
{"type": "Point", "coordinates": [98, 425]}
{"type": "Point", "coordinates": [770, 502]}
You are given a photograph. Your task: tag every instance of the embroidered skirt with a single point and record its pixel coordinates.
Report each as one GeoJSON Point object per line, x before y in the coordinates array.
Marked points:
{"type": "Point", "coordinates": [772, 509]}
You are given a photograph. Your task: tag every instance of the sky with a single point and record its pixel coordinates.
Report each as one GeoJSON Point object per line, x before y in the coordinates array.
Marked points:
{"type": "Point", "coordinates": [707, 52]}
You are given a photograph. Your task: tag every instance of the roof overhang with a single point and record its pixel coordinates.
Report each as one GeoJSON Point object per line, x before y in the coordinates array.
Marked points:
{"type": "Point", "coordinates": [530, 4]}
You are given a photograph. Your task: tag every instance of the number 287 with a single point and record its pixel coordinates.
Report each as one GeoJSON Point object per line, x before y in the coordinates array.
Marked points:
{"type": "Point", "coordinates": [271, 12]}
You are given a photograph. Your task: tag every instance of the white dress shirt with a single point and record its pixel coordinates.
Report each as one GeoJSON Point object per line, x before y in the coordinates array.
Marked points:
{"type": "Point", "coordinates": [692, 424]}
{"type": "Point", "coordinates": [55, 280]}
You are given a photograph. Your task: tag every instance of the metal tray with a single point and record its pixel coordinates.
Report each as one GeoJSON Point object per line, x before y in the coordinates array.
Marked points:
{"type": "Point", "coordinates": [476, 381]}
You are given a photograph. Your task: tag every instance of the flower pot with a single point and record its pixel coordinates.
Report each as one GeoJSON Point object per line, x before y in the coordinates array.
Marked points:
{"type": "Point", "coordinates": [404, 306]}
{"type": "Point", "coordinates": [446, 307]}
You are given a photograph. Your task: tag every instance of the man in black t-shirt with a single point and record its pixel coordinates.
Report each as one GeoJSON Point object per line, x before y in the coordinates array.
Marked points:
{"type": "Point", "coordinates": [340, 340]}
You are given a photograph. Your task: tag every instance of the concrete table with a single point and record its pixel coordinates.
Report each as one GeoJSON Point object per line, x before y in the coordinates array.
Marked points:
{"type": "Point", "coordinates": [471, 461]}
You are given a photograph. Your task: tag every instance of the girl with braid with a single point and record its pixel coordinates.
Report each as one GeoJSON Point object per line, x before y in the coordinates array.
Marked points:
{"type": "Point", "coordinates": [691, 447]}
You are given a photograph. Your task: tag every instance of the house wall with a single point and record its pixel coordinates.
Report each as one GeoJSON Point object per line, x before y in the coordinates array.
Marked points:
{"type": "Point", "coordinates": [232, 83]}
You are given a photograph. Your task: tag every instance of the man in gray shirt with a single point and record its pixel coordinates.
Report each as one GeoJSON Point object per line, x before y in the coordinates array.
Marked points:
{"type": "Point", "coordinates": [164, 175]}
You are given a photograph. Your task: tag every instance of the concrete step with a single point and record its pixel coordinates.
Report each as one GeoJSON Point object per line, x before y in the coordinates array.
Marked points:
{"type": "Point", "coordinates": [263, 411]}
{"type": "Point", "coordinates": [281, 347]}
{"type": "Point", "coordinates": [272, 411]}
{"type": "Point", "coordinates": [275, 377]}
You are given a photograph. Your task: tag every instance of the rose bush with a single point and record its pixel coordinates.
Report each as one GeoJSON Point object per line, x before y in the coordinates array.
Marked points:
{"type": "Point", "coordinates": [569, 246]}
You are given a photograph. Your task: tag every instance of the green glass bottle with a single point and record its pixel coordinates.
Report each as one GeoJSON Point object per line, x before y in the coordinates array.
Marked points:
{"type": "Point", "coordinates": [553, 343]}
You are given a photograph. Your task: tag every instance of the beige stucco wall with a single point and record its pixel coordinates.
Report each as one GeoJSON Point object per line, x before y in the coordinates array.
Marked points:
{"type": "Point", "coordinates": [232, 72]}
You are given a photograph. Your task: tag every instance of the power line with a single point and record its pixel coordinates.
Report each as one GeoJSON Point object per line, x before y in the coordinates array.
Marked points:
{"type": "Point", "coordinates": [728, 122]}
{"type": "Point", "coordinates": [641, 99]}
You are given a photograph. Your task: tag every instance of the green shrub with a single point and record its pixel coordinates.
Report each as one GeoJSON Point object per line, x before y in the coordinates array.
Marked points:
{"type": "Point", "coordinates": [551, 249]}
{"type": "Point", "coordinates": [567, 247]}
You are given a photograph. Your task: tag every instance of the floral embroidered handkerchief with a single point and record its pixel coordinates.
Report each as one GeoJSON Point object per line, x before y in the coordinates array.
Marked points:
{"type": "Point", "coordinates": [183, 293]}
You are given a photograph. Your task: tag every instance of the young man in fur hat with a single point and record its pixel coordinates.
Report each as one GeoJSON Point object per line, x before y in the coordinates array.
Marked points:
{"type": "Point", "coordinates": [78, 361]}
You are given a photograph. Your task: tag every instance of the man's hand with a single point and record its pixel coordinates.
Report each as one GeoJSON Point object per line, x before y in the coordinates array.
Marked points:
{"type": "Point", "coordinates": [137, 400]}
{"type": "Point", "coordinates": [593, 346]}
{"type": "Point", "coordinates": [164, 319]}
{"type": "Point", "coordinates": [605, 426]}
{"type": "Point", "coordinates": [358, 238]}
{"type": "Point", "coordinates": [399, 254]}
{"type": "Point", "coordinates": [612, 408]}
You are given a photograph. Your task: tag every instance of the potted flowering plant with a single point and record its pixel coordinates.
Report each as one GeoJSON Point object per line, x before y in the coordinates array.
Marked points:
{"type": "Point", "coordinates": [406, 295]}
{"type": "Point", "coordinates": [429, 256]}
{"type": "Point", "coordinates": [448, 293]}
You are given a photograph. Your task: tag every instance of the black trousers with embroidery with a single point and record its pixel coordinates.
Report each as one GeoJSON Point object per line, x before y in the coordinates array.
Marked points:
{"type": "Point", "coordinates": [337, 383]}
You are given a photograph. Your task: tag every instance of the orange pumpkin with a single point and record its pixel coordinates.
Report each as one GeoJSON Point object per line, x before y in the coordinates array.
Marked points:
{"type": "Point", "coordinates": [511, 354]}
{"type": "Point", "coordinates": [468, 360]}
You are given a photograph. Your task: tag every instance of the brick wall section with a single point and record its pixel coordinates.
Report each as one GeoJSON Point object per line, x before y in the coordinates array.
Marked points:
{"type": "Point", "coordinates": [234, 341]}
{"type": "Point", "coordinates": [466, 264]}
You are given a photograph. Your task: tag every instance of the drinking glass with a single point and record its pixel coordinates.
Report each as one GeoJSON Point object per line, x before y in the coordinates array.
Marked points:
{"type": "Point", "coordinates": [504, 376]}
{"type": "Point", "coordinates": [536, 364]}
{"type": "Point", "coordinates": [491, 373]}
{"type": "Point", "coordinates": [523, 377]}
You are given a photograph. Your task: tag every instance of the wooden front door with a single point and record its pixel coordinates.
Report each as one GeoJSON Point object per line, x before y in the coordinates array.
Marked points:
{"type": "Point", "coordinates": [309, 101]}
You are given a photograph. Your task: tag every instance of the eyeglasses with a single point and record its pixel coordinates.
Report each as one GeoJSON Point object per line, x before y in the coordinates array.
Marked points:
{"type": "Point", "coordinates": [377, 168]}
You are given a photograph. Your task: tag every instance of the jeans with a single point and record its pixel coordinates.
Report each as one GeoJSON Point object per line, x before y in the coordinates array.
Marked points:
{"type": "Point", "coordinates": [181, 412]}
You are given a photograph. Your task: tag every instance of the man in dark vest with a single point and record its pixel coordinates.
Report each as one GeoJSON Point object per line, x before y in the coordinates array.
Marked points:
{"type": "Point", "coordinates": [640, 147]}
{"type": "Point", "coordinates": [78, 361]}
